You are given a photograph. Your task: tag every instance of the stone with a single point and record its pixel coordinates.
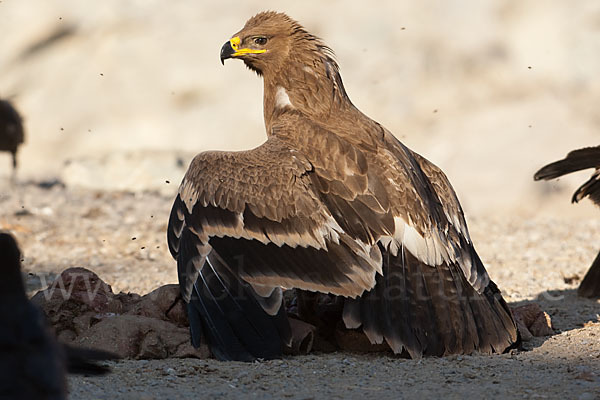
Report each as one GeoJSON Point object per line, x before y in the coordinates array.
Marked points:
{"type": "Point", "coordinates": [532, 321]}
{"type": "Point", "coordinates": [83, 310]}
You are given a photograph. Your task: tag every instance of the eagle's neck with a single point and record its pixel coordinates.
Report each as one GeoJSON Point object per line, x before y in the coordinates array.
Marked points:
{"type": "Point", "coordinates": [308, 83]}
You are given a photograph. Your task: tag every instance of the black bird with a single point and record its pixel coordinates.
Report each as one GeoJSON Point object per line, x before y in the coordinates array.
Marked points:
{"type": "Point", "coordinates": [578, 160]}
{"type": "Point", "coordinates": [11, 130]}
{"type": "Point", "coordinates": [33, 364]}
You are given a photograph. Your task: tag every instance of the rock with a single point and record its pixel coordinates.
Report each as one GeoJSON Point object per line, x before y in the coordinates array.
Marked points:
{"type": "Point", "coordinates": [177, 313]}
{"type": "Point", "coordinates": [163, 303]}
{"type": "Point", "coordinates": [84, 310]}
{"type": "Point", "coordinates": [80, 286]}
{"type": "Point", "coordinates": [532, 321]}
{"type": "Point", "coordinates": [74, 297]}
{"type": "Point", "coordinates": [141, 337]}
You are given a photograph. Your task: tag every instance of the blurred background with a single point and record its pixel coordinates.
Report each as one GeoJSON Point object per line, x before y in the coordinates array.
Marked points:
{"type": "Point", "coordinates": [121, 94]}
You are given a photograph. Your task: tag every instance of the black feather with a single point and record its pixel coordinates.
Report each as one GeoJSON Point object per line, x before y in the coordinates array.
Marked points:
{"type": "Point", "coordinates": [576, 160]}
{"type": "Point", "coordinates": [223, 310]}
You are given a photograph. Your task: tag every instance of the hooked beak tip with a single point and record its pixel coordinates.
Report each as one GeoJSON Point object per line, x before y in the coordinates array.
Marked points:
{"type": "Point", "coordinates": [226, 52]}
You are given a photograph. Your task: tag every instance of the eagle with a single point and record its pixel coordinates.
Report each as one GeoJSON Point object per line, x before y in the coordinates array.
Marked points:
{"type": "Point", "coordinates": [33, 364]}
{"type": "Point", "coordinates": [11, 131]}
{"type": "Point", "coordinates": [332, 203]}
{"type": "Point", "coordinates": [577, 160]}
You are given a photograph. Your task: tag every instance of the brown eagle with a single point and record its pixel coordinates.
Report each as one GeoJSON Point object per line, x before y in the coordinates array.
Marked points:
{"type": "Point", "coordinates": [332, 202]}
{"type": "Point", "coordinates": [578, 160]}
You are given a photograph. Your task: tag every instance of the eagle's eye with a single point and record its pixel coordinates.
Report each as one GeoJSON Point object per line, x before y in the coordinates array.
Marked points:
{"type": "Point", "coordinates": [261, 41]}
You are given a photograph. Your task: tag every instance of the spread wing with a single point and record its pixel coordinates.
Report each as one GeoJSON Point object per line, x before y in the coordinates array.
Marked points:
{"type": "Point", "coordinates": [380, 191]}
{"type": "Point", "coordinates": [576, 160]}
{"type": "Point", "coordinates": [434, 296]}
{"type": "Point", "coordinates": [262, 213]}
{"type": "Point", "coordinates": [320, 220]}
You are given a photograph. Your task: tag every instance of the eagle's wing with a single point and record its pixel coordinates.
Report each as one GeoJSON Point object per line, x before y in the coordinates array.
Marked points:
{"type": "Point", "coordinates": [590, 285]}
{"type": "Point", "coordinates": [261, 204]}
{"type": "Point", "coordinates": [452, 226]}
{"type": "Point", "coordinates": [434, 296]}
{"type": "Point", "coordinates": [258, 217]}
{"type": "Point", "coordinates": [320, 220]}
{"type": "Point", "coordinates": [384, 192]}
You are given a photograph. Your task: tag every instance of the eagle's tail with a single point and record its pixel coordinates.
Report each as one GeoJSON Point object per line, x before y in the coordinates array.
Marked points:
{"type": "Point", "coordinates": [432, 311]}
{"type": "Point", "coordinates": [226, 313]}
{"type": "Point", "coordinates": [590, 286]}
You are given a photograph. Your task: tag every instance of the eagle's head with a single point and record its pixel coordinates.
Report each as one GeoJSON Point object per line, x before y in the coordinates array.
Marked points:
{"type": "Point", "coordinates": [299, 70]}
{"type": "Point", "coordinates": [268, 40]}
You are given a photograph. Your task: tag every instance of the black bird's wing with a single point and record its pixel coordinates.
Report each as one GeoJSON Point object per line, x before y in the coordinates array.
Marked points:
{"type": "Point", "coordinates": [576, 160]}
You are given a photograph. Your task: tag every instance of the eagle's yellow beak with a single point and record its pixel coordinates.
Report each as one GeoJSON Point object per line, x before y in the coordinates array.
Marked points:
{"type": "Point", "coordinates": [232, 49]}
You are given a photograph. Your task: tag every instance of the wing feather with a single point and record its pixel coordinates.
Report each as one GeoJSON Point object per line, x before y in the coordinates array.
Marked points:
{"type": "Point", "coordinates": [262, 203]}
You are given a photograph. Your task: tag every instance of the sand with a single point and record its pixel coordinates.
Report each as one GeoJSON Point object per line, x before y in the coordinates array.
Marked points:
{"type": "Point", "coordinates": [117, 97]}
{"type": "Point", "coordinates": [121, 237]}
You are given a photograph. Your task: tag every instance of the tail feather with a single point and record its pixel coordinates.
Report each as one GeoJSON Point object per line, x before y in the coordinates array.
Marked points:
{"type": "Point", "coordinates": [576, 160]}
{"type": "Point", "coordinates": [470, 339]}
{"type": "Point", "coordinates": [372, 322]}
{"type": "Point", "coordinates": [224, 312]}
{"type": "Point", "coordinates": [409, 324]}
{"type": "Point", "coordinates": [590, 286]}
{"type": "Point", "coordinates": [432, 311]}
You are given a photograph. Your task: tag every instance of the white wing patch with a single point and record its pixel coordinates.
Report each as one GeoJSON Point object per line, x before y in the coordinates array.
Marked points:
{"type": "Point", "coordinates": [430, 249]}
{"type": "Point", "coordinates": [434, 250]}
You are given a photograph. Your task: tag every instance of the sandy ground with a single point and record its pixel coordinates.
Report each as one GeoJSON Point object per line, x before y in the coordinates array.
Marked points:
{"type": "Point", "coordinates": [489, 90]}
{"type": "Point", "coordinates": [118, 96]}
{"type": "Point", "coordinates": [121, 236]}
